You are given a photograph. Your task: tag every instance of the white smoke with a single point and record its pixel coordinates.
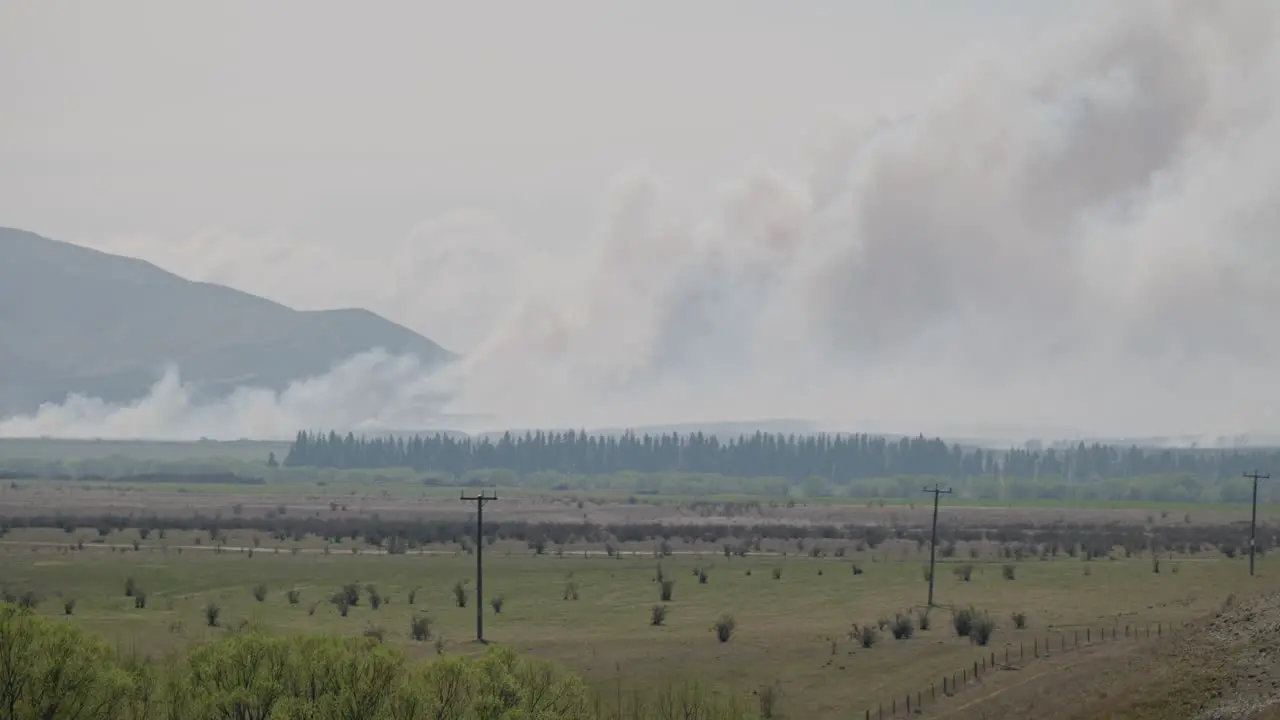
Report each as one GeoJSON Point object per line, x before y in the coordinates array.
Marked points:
{"type": "Point", "coordinates": [371, 392]}
{"type": "Point", "coordinates": [1089, 238]}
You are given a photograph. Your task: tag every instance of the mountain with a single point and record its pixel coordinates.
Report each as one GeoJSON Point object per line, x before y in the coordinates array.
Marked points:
{"type": "Point", "coordinates": [78, 320]}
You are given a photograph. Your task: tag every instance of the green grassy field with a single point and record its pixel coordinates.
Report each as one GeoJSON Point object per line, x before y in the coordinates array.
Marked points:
{"type": "Point", "coordinates": [791, 631]}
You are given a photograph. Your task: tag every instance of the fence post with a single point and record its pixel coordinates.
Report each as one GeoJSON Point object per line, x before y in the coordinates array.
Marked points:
{"type": "Point", "coordinates": [1036, 647]}
{"type": "Point", "coordinates": [1088, 636]}
{"type": "Point", "coordinates": [1159, 629]}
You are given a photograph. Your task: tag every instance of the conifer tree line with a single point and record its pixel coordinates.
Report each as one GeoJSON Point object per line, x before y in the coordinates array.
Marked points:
{"type": "Point", "coordinates": [836, 457]}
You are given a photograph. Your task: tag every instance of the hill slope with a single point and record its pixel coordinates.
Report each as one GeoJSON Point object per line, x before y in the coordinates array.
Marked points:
{"type": "Point", "coordinates": [79, 320]}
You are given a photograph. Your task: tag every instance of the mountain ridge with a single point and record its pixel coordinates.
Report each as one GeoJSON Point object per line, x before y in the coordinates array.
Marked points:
{"type": "Point", "coordinates": [78, 320]}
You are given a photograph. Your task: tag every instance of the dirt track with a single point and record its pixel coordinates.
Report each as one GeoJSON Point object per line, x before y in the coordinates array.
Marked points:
{"type": "Point", "coordinates": [1226, 668]}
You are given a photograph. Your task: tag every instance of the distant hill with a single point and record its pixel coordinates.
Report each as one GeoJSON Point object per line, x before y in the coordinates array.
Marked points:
{"type": "Point", "coordinates": [74, 319]}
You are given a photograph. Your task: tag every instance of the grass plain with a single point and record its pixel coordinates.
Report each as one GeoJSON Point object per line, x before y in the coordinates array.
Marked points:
{"type": "Point", "coordinates": [792, 632]}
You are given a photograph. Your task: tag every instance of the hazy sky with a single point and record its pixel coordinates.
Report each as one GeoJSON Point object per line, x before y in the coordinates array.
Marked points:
{"type": "Point", "coordinates": [926, 212]}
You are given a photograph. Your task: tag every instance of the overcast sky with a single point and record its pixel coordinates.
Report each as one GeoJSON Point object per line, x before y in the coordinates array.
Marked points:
{"type": "Point", "coordinates": [1029, 203]}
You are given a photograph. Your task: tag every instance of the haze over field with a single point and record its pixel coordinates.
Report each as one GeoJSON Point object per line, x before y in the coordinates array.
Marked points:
{"type": "Point", "coordinates": [911, 216]}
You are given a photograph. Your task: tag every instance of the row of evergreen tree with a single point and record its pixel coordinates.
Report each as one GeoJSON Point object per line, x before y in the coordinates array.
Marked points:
{"type": "Point", "coordinates": [837, 457]}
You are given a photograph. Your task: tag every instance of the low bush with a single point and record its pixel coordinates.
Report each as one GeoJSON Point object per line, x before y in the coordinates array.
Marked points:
{"type": "Point", "coordinates": [902, 627]}
{"type": "Point", "coordinates": [1020, 620]}
{"type": "Point", "coordinates": [460, 594]}
{"type": "Point", "coordinates": [667, 587]}
{"type": "Point", "coordinates": [724, 627]}
{"type": "Point", "coordinates": [1009, 571]}
{"type": "Point", "coordinates": [864, 635]}
{"type": "Point", "coordinates": [260, 593]}
{"type": "Point", "coordinates": [420, 628]}
{"type": "Point", "coordinates": [657, 615]}
{"type": "Point", "coordinates": [983, 628]}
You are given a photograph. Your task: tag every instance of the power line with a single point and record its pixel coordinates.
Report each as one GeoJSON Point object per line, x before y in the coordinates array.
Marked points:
{"type": "Point", "coordinates": [1253, 521]}
{"type": "Point", "coordinates": [480, 500]}
{"type": "Point", "coordinates": [933, 539]}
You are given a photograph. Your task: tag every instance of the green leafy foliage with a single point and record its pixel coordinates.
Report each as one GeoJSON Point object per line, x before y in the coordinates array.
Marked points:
{"type": "Point", "coordinates": [58, 670]}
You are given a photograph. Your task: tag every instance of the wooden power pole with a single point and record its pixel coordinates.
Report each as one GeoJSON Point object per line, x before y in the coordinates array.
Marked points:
{"type": "Point", "coordinates": [1255, 476]}
{"type": "Point", "coordinates": [933, 538]}
{"type": "Point", "coordinates": [480, 500]}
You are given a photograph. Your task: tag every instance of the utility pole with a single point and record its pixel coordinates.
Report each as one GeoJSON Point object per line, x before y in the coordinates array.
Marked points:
{"type": "Point", "coordinates": [480, 500]}
{"type": "Point", "coordinates": [1255, 476]}
{"type": "Point", "coordinates": [933, 540]}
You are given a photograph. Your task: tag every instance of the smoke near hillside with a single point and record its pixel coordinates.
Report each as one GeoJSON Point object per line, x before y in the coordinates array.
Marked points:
{"type": "Point", "coordinates": [1085, 237]}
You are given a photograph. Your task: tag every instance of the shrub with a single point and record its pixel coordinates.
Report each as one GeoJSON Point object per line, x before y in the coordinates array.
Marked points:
{"type": "Point", "coordinates": [964, 572]}
{"type": "Point", "coordinates": [768, 697]}
{"type": "Point", "coordinates": [413, 595]}
{"type": "Point", "coordinates": [928, 574]}
{"type": "Point", "coordinates": [1009, 571]}
{"type": "Point", "coordinates": [1020, 620]}
{"type": "Point", "coordinates": [902, 627]}
{"type": "Point", "coordinates": [312, 610]}
{"type": "Point", "coordinates": [702, 577]}
{"type": "Point", "coordinates": [68, 606]}
{"type": "Point", "coordinates": [130, 585]}
{"type": "Point", "coordinates": [667, 587]}
{"type": "Point", "coordinates": [420, 628]}
{"type": "Point", "coordinates": [211, 613]}
{"type": "Point", "coordinates": [922, 619]}
{"type": "Point", "coordinates": [29, 600]}
{"type": "Point", "coordinates": [293, 595]}
{"type": "Point", "coordinates": [962, 620]}
{"type": "Point", "coordinates": [375, 598]}
{"type": "Point", "coordinates": [857, 569]}
{"type": "Point", "coordinates": [344, 607]}
{"type": "Point", "coordinates": [1155, 563]}
{"type": "Point", "coordinates": [497, 601]}
{"type": "Point", "coordinates": [260, 593]}
{"type": "Point", "coordinates": [983, 628]}
{"type": "Point", "coordinates": [657, 615]}
{"type": "Point", "coordinates": [864, 635]}
{"type": "Point", "coordinates": [460, 594]}
{"type": "Point", "coordinates": [724, 627]}
{"type": "Point", "coordinates": [571, 590]}
{"type": "Point", "coordinates": [351, 592]}
{"type": "Point", "coordinates": [139, 599]}
{"type": "Point", "coordinates": [777, 573]}
{"type": "Point", "coordinates": [374, 632]}
{"type": "Point", "coordinates": [57, 669]}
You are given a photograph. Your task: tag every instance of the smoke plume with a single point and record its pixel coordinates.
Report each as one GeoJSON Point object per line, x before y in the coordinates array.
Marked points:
{"type": "Point", "coordinates": [1087, 238]}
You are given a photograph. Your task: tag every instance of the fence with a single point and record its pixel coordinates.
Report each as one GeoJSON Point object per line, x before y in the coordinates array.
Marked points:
{"type": "Point", "coordinates": [1009, 658]}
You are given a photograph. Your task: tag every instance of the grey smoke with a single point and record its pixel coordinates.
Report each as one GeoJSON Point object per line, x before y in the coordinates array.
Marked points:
{"type": "Point", "coordinates": [1089, 237]}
